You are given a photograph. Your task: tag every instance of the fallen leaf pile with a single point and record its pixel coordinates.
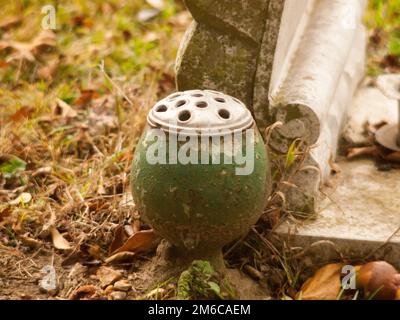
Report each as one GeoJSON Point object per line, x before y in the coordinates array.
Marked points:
{"type": "Point", "coordinates": [67, 134]}
{"type": "Point", "coordinates": [375, 280]}
{"type": "Point", "coordinates": [324, 285]}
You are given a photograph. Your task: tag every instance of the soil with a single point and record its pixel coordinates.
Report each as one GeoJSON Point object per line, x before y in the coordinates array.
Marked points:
{"type": "Point", "coordinates": [22, 276]}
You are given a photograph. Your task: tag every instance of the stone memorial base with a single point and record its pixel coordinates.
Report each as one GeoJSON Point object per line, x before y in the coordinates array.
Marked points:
{"type": "Point", "coordinates": [359, 213]}
{"type": "Point", "coordinates": [360, 217]}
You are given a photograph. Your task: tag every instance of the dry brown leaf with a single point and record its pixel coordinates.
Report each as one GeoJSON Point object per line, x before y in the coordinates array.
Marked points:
{"type": "Point", "coordinates": [28, 50]}
{"type": "Point", "coordinates": [119, 239]}
{"type": "Point", "coordinates": [88, 292]}
{"type": "Point", "coordinates": [120, 257]}
{"type": "Point", "coordinates": [94, 251]}
{"type": "Point", "coordinates": [324, 285]}
{"type": "Point", "coordinates": [393, 157]}
{"type": "Point", "coordinates": [77, 270]}
{"type": "Point", "coordinates": [46, 38]}
{"type": "Point", "coordinates": [136, 226]}
{"type": "Point", "coordinates": [107, 276]}
{"type": "Point", "coordinates": [140, 241]}
{"type": "Point", "coordinates": [63, 109]}
{"type": "Point", "coordinates": [59, 241]}
{"type": "Point", "coordinates": [82, 21]}
{"type": "Point", "coordinates": [82, 254]}
{"type": "Point", "coordinates": [21, 114]}
{"type": "Point", "coordinates": [86, 97]}
{"type": "Point", "coordinates": [30, 242]}
{"type": "Point", "coordinates": [10, 21]}
{"type": "Point", "coordinates": [46, 228]}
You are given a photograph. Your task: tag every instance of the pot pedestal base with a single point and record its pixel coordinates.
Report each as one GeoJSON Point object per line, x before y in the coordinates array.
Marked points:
{"type": "Point", "coordinates": [169, 263]}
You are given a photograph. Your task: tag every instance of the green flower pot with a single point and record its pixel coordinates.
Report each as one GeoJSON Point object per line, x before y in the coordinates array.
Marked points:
{"type": "Point", "coordinates": [189, 181]}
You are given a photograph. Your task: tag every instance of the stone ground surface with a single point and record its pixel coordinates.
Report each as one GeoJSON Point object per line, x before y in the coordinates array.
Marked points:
{"type": "Point", "coordinates": [361, 214]}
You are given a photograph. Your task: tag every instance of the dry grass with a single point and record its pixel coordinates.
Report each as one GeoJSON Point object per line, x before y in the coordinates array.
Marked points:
{"type": "Point", "coordinates": [78, 151]}
{"type": "Point", "coordinates": [383, 21]}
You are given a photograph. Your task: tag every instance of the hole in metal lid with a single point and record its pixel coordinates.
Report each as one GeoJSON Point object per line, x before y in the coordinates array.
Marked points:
{"type": "Point", "coordinates": [180, 103]}
{"type": "Point", "coordinates": [161, 108]}
{"type": "Point", "coordinates": [221, 100]}
{"type": "Point", "coordinates": [201, 104]}
{"type": "Point", "coordinates": [197, 95]}
{"type": "Point", "coordinates": [184, 115]}
{"type": "Point", "coordinates": [224, 114]}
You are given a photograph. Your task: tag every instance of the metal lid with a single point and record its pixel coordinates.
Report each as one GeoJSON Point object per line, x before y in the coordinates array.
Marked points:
{"type": "Point", "coordinates": [198, 111]}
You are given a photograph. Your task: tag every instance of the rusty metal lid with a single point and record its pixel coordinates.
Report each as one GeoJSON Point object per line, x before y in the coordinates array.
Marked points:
{"type": "Point", "coordinates": [200, 111]}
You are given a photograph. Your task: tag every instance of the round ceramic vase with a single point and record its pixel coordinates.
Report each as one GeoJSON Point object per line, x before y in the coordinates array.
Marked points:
{"type": "Point", "coordinates": [200, 174]}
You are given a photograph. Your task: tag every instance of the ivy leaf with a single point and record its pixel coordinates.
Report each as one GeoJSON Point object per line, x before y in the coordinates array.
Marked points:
{"type": "Point", "coordinates": [214, 287]}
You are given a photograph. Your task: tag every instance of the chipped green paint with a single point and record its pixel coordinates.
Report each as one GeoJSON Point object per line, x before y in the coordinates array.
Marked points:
{"type": "Point", "coordinates": [200, 206]}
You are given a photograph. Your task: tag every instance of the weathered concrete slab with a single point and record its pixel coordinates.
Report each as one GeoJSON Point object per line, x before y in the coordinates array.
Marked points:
{"type": "Point", "coordinates": [360, 216]}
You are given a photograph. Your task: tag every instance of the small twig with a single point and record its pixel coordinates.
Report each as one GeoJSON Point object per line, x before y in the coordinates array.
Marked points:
{"type": "Point", "coordinates": [234, 245]}
{"type": "Point", "coordinates": [268, 130]}
{"type": "Point", "coordinates": [115, 85]}
{"type": "Point", "coordinates": [383, 244]}
{"type": "Point", "coordinates": [317, 243]}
